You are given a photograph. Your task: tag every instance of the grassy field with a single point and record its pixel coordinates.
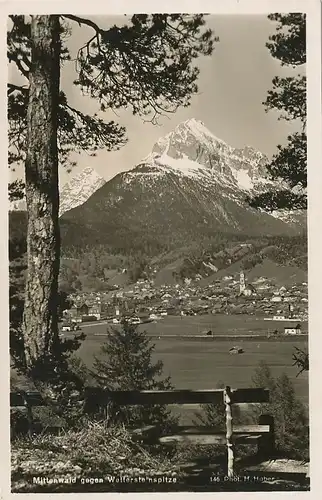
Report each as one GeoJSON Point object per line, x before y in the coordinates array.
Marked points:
{"type": "Point", "coordinates": [194, 365]}
{"type": "Point", "coordinates": [220, 324]}
{"type": "Point", "coordinates": [200, 364]}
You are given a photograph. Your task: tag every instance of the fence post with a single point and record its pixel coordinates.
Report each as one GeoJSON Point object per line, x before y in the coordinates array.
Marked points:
{"type": "Point", "coordinates": [266, 443]}
{"type": "Point", "coordinates": [229, 432]}
{"type": "Point", "coordinates": [107, 412]}
{"type": "Point", "coordinates": [29, 412]}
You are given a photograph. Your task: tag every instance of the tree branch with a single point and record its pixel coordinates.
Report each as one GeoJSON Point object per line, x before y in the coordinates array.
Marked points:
{"type": "Point", "coordinates": [87, 22]}
{"type": "Point", "coordinates": [12, 88]}
{"type": "Point", "coordinates": [14, 57]}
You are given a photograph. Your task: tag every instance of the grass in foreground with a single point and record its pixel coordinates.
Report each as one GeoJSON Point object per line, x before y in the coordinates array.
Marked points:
{"type": "Point", "coordinates": [97, 452]}
{"type": "Point", "coordinates": [106, 459]}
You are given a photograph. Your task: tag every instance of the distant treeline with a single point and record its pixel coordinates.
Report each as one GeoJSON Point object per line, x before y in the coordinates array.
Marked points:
{"type": "Point", "coordinates": [143, 255]}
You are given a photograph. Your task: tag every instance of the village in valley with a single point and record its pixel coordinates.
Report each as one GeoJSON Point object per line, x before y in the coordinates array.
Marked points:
{"type": "Point", "coordinates": [144, 302]}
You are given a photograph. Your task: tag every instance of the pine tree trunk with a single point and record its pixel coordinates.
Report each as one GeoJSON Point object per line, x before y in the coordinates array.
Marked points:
{"type": "Point", "coordinates": [40, 322]}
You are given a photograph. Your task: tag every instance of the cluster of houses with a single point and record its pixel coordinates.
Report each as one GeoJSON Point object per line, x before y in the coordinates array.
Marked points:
{"type": "Point", "coordinates": [144, 302]}
{"type": "Point", "coordinates": [84, 310]}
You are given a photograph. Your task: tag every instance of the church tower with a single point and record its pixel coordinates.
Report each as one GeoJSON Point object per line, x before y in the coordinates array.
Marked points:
{"type": "Point", "coordinates": [242, 285]}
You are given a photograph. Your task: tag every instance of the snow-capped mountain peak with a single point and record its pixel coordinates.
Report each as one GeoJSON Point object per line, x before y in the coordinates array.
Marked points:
{"type": "Point", "coordinates": [188, 132]}
{"type": "Point", "coordinates": [73, 193]}
{"type": "Point", "coordinates": [197, 129]}
{"type": "Point", "coordinates": [192, 150]}
{"type": "Point", "coordinates": [79, 189]}
{"type": "Point", "coordinates": [192, 185]}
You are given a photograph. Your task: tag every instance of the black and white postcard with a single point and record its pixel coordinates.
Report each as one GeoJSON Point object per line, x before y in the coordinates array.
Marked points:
{"type": "Point", "coordinates": [161, 254]}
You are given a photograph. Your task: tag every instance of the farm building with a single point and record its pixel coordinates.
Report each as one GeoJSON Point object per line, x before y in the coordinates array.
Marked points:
{"type": "Point", "coordinates": [207, 332]}
{"type": "Point", "coordinates": [236, 350]}
{"type": "Point", "coordinates": [292, 330]}
{"type": "Point", "coordinates": [77, 312]}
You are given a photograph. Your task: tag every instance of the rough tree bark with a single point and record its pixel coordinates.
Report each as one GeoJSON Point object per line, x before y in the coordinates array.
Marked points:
{"type": "Point", "coordinates": [40, 322]}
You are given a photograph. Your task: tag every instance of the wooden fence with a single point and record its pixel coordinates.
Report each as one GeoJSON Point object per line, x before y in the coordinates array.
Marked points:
{"type": "Point", "coordinates": [261, 434]}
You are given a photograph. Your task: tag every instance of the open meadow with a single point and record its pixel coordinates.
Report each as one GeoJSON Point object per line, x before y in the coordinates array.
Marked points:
{"type": "Point", "coordinates": [219, 324]}
{"type": "Point", "coordinates": [203, 363]}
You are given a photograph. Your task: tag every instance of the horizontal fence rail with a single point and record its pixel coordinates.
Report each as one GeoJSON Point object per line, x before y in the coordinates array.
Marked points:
{"type": "Point", "coordinates": [129, 398]}
{"type": "Point", "coordinates": [261, 434]}
{"type": "Point", "coordinates": [179, 396]}
{"type": "Point", "coordinates": [26, 399]}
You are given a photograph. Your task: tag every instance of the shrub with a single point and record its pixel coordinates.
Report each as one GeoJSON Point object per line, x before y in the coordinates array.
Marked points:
{"type": "Point", "coordinates": [290, 416]}
{"type": "Point", "coordinates": [19, 424]}
{"type": "Point", "coordinates": [301, 360]}
{"type": "Point", "coordinates": [214, 415]}
{"type": "Point", "coordinates": [126, 363]}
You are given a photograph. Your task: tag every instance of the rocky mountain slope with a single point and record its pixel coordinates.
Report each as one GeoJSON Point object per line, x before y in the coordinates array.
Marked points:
{"type": "Point", "coordinates": [241, 169]}
{"type": "Point", "coordinates": [73, 193]}
{"type": "Point", "coordinates": [79, 189]}
{"type": "Point", "coordinates": [192, 185]}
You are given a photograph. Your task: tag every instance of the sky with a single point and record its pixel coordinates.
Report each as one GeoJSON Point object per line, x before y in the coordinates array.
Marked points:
{"type": "Point", "coordinates": [233, 82]}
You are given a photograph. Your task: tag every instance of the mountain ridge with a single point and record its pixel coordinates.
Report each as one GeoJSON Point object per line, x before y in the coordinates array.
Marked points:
{"type": "Point", "coordinates": [192, 184]}
{"type": "Point", "coordinates": [79, 189]}
{"type": "Point", "coordinates": [74, 193]}
{"type": "Point", "coordinates": [186, 194]}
